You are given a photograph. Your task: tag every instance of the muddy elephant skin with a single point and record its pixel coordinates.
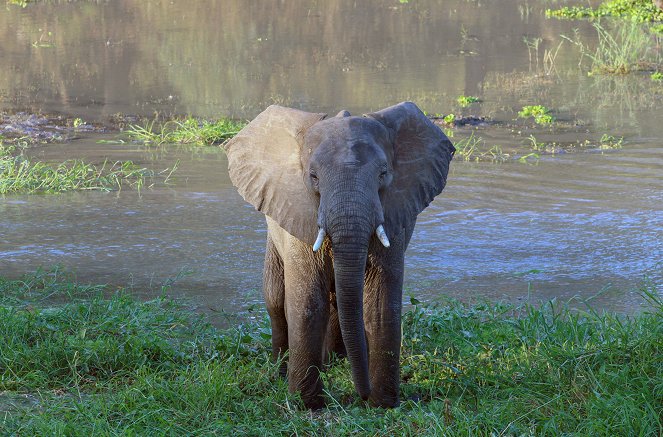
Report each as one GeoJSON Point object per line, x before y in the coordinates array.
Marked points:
{"type": "Point", "coordinates": [341, 196]}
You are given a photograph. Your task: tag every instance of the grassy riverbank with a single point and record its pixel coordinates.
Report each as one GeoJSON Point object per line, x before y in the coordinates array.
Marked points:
{"type": "Point", "coordinates": [21, 175]}
{"type": "Point", "coordinates": [89, 360]}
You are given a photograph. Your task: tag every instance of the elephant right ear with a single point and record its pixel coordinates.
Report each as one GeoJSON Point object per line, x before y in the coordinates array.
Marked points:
{"type": "Point", "coordinates": [264, 162]}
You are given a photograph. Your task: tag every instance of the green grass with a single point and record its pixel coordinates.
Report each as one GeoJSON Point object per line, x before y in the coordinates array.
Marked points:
{"type": "Point", "coordinates": [474, 148]}
{"type": "Point", "coordinates": [657, 76]}
{"type": "Point", "coordinates": [634, 10]}
{"type": "Point", "coordinates": [465, 101]}
{"type": "Point", "coordinates": [19, 174]}
{"type": "Point", "coordinates": [624, 49]}
{"type": "Point", "coordinates": [540, 113]}
{"type": "Point", "coordinates": [187, 131]}
{"type": "Point", "coordinates": [91, 360]}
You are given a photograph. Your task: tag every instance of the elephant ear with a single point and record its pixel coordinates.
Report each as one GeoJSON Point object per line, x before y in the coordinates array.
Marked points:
{"type": "Point", "coordinates": [264, 162]}
{"type": "Point", "coordinates": [422, 153]}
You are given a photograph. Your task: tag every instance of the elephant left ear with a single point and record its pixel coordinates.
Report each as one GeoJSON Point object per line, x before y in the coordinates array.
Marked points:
{"type": "Point", "coordinates": [422, 153]}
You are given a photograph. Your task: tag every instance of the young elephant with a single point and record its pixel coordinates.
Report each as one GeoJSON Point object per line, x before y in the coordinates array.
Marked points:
{"type": "Point", "coordinates": [341, 196]}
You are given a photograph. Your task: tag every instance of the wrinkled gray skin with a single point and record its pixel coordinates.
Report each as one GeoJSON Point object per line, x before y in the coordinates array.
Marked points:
{"type": "Point", "coordinates": [346, 175]}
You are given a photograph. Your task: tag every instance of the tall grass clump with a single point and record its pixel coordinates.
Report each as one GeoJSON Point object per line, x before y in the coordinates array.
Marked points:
{"type": "Point", "coordinates": [83, 359]}
{"type": "Point", "coordinates": [19, 174]}
{"type": "Point", "coordinates": [187, 131]}
{"type": "Point", "coordinates": [628, 48]}
{"type": "Point", "coordinates": [622, 48]}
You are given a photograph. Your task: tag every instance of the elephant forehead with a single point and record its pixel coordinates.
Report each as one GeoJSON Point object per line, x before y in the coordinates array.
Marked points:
{"type": "Point", "coordinates": [349, 140]}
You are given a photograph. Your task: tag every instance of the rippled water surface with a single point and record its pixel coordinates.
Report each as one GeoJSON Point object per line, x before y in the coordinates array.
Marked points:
{"type": "Point", "coordinates": [587, 223]}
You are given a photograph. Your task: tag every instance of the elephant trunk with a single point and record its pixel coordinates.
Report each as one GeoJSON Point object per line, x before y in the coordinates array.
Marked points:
{"type": "Point", "coordinates": [350, 236]}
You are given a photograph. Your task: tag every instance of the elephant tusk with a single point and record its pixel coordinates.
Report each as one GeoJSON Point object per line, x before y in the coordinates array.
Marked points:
{"type": "Point", "coordinates": [382, 235]}
{"type": "Point", "coordinates": [318, 241]}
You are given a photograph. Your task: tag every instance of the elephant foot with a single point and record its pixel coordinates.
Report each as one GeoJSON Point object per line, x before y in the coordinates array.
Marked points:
{"type": "Point", "coordinates": [314, 402]}
{"type": "Point", "coordinates": [383, 400]}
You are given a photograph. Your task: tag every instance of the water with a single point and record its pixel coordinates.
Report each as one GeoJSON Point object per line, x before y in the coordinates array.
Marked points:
{"type": "Point", "coordinates": [587, 224]}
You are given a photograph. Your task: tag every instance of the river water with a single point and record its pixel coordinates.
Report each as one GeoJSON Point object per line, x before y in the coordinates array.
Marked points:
{"type": "Point", "coordinates": [586, 223]}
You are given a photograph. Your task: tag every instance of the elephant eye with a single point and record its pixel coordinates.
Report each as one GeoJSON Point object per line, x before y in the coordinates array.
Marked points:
{"type": "Point", "coordinates": [314, 179]}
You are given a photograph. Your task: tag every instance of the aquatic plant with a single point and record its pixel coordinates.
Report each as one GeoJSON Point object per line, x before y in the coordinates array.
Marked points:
{"type": "Point", "coordinates": [626, 48]}
{"type": "Point", "coordinates": [21, 3]}
{"type": "Point", "coordinates": [80, 359]}
{"type": "Point", "coordinates": [536, 145]}
{"type": "Point", "coordinates": [610, 142]}
{"type": "Point", "coordinates": [474, 148]}
{"type": "Point", "coordinates": [187, 131]}
{"type": "Point", "coordinates": [634, 10]}
{"type": "Point", "coordinates": [540, 113]}
{"type": "Point", "coordinates": [19, 174]}
{"type": "Point", "coordinates": [449, 119]}
{"type": "Point", "coordinates": [465, 101]}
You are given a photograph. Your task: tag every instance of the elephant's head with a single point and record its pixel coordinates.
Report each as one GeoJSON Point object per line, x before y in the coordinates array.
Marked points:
{"type": "Point", "coordinates": [351, 178]}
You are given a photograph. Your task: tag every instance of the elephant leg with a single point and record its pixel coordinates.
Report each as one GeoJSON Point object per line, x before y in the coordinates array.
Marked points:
{"type": "Point", "coordinates": [274, 291]}
{"type": "Point", "coordinates": [334, 340]}
{"type": "Point", "coordinates": [307, 310]}
{"type": "Point", "coordinates": [382, 318]}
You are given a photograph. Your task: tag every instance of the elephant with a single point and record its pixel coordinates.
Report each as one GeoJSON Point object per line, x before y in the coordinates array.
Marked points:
{"type": "Point", "coordinates": [341, 196]}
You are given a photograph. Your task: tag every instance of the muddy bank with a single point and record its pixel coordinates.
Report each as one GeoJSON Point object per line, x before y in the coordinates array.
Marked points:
{"type": "Point", "coordinates": [29, 128]}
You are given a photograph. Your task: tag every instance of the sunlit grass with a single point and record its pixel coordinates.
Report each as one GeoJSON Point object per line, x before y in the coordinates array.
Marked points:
{"type": "Point", "coordinates": [92, 360]}
{"type": "Point", "coordinates": [622, 48]}
{"type": "Point", "coordinates": [187, 131]}
{"type": "Point", "coordinates": [19, 174]}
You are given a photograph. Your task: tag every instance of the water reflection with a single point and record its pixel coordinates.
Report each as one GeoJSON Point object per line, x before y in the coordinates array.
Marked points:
{"type": "Point", "coordinates": [235, 57]}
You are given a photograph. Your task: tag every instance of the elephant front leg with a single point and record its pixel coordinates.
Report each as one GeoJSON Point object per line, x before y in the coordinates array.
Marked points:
{"type": "Point", "coordinates": [307, 310]}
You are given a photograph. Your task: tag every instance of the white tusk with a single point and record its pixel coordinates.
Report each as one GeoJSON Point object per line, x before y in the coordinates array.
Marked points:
{"type": "Point", "coordinates": [318, 241]}
{"type": "Point", "coordinates": [382, 235]}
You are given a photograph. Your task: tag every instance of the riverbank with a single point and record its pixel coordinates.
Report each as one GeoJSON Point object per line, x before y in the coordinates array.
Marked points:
{"type": "Point", "coordinates": [81, 359]}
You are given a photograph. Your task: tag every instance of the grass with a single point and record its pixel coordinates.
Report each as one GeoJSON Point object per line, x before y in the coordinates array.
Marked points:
{"type": "Point", "coordinates": [474, 148]}
{"type": "Point", "coordinates": [91, 360]}
{"type": "Point", "coordinates": [19, 174]}
{"type": "Point", "coordinates": [629, 48]}
{"type": "Point", "coordinates": [465, 101]}
{"type": "Point", "coordinates": [187, 131]}
{"type": "Point", "coordinates": [606, 142]}
{"type": "Point", "coordinates": [622, 48]}
{"type": "Point", "coordinates": [540, 113]}
{"type": "Point", "coordinates": [634, 10]}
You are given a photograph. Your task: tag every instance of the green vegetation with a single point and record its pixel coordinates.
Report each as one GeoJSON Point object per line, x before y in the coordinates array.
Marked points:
{"type": "Point", "coordinates": [628, 47]}
{"type": "Point", "coordinates": [474, 148]}
{"type": "Point", "coordinates": [540, 113]}
{"type": "Point", "coordinates": [635, 10]}
{"type": "Point", "coordinates": [449, 119]}
{"type": "Point", "coordinates": [465, 101]}
{"type": "Point", "coordinates": [22, 3]}
{"type": "Point", "coordinates": [657, 76]}
{"type": "Point", "coordinates": [186, 131]}
{"type": "Point", "coordinates": [19, 174]}
{"type": "Point", "coordinates": [608, 142]}
{"type": "Point", "coordinates": [89, 360]}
